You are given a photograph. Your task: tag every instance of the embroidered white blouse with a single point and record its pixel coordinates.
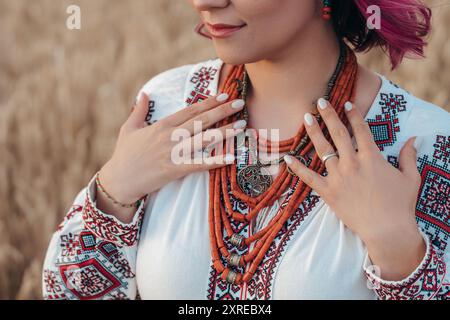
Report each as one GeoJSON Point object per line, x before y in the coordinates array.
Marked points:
{"type": "Point", "coordinates": [164, 252]}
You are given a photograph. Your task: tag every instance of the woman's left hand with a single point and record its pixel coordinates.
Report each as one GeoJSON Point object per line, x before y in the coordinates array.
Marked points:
{"type": "Point", "coordinates": [373, 198]}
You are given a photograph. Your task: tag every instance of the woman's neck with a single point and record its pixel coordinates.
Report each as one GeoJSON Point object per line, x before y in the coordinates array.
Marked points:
{"type": "Point", "coordinates": [284, 87]}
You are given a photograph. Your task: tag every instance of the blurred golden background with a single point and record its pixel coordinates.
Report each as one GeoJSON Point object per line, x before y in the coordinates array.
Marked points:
{"type": "Point", "coordinates": [64, 94]}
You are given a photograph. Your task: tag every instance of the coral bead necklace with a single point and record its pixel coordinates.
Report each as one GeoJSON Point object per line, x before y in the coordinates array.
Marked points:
{"type": "Point", "coordinates": [261, 191]}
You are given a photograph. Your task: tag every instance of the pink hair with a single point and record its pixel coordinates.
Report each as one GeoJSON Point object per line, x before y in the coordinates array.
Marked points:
{"type": "Point", "coordinates": [404, 25]}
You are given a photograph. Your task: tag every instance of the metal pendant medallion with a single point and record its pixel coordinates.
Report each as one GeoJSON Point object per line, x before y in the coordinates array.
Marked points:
{"type": "Point", "coordinates": [252, 177]}
{"type": "Point", "coordinates": [254, 180]}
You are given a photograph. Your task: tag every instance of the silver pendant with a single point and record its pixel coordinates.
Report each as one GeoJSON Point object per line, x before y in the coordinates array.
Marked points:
{"type": "Point", "coordinates": [254, 180]}
{"type": "Point", "coordinates": [252, 177]}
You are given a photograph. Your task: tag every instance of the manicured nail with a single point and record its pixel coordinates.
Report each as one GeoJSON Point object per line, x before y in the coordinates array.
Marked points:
{"type": "Point", "coordinates": [229, 158]}
{"type": "Point", "coordinates": [309, 119]}
{"type": "Point", "coordinates": [322, 103]}
{"type": "Point", "coordinates": [238, 104]}
{"type": "Point", "coordinates": [222, 97]}
{"type": "Point", "coordinates": [348, 106]}
{"type": "Point", "coordinates": [241, 124]}
{"type": "Point", "coordinates": [417, 143]}
{"type": "Point", "coordinates": [288, 159]}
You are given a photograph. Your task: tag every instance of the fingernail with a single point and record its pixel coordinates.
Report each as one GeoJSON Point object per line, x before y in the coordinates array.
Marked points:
{"type": "Point", "coordinates": [309, 119]}
{"type": "Point", "coordinates": [288, 159]}
{"type": "Point", "coordinates": [417, 143]}
{"type": "Point", "coordinates": [241, 124]}
{"type": "Point", "coordinates": [322, 103]}
{"type": "Point", "coordinates": [229, 158]}
{"type": "Point", "coordinates": [222, 97]}
{"type": "Point", "coordinates": [348, 106]}
{"type": "Point", "coordinates": [238, 104]}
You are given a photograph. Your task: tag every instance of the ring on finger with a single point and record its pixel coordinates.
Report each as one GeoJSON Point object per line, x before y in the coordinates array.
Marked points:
{"type": "Point", "coordinates": [329, 155]}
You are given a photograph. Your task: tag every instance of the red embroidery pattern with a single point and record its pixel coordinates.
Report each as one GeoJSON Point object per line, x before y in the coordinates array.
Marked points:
{"type": "Point", "coordinates": [88, 280]}
{"type": "Point", "coordinates": [54, 289]}
{"type": "Point", "coordinates": [433, 217]}
{"type": "Point", "coordinates": [385, 126]}
{"type": "Point", "coordinates": [425, 284]}
{"type": "Point", "coordinates": [442, 149]}
{"type": "Point", "coordinates": [203, 77]}
{"type": "Point", "coordinates": [74, 209]}
{"type": "Point", "coordinates": [97, 270]}
{"type": "Point", "coordinates": [108, 228]}
{"type": "Point", "coordinates": [262, 283]}
{"type": "Point", "coordinates": [433, 204]}
{"type": "Point", "coordinates": [70, 245]}
{"type": "Point", "coordinates": [201, 80]}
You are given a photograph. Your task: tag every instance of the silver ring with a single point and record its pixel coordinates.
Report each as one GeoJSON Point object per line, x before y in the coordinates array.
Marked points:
{"type": "Point", "coordinates": [329, 155]}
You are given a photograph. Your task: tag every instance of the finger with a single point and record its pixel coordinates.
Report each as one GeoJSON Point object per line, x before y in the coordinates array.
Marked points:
{"type": "Point", "coordinates": [321, 144]}
{"type": "Point", "coordinates": [408, 160]}
{"type": "Point", "coordinates": [210, 138]}
{"type": "Point", "coordinates": [210, 117]}
{"type": "Point", "coordinates": [338, 131]}
{"type": "Point", "coordinates": [310, 177]}
{"type": "Point", "coordinates": [136, 119]}
{"type": "Point", "coordinates": [361, 130]}
{"type": "Point", "coordinates": [180, 117]}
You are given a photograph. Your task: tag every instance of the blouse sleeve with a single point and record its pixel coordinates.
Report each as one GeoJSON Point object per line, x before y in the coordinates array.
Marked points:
{"type": "Point", "coordinates": [92, 255]}
{"type": "Point", "coordinates": [431, 279]}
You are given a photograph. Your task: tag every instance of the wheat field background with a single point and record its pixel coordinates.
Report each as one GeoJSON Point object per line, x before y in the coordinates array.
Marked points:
{"type": "Point", "coordinates": [65, 93]}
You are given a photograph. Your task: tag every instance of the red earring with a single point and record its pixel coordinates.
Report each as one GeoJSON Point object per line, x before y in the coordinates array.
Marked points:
{"type": "Point", "coordinates": [199, 30]}
{"type": "Point", "coordinates": [326, 11]}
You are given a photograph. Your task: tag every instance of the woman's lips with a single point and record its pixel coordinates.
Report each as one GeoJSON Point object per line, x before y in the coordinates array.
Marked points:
{"type": "Point", "coordinates": [223, 30]}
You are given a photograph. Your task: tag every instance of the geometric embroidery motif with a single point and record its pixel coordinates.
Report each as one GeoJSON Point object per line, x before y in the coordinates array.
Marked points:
{"type": "Point", "coordinates": [430, 280]}
{"type": "Point", "coordinates": [89, 279]}
{"type": "Point", "coordinates": [433, 205]}
{"type": "Point", "coordinates": [53, 287]}
{"type": "Point", "coordinates": [203, 77]}
{"type": "Point", "coordinates": [426, 283]}
{"type": "Point", "coordinates": [385, 126]}
{"type": "Point", "coordinates": [70, 246]}
{"type": "Point", "coordinates": [106, 227]}
{"type": "Point", "coordinates": [87, 240]}
{"type": "Point", "coordinates": [433, 217]}
{"type": "Point", "coordinates": [442, 149]}
{"type": "Point", "coordinates": [435, 194]}
{"type": "Point", "coordinates": [201, 80]}
{"type": "Point", "coordinates": [108, 249]}
{"type": "Point", "coordinates": [197, 96]}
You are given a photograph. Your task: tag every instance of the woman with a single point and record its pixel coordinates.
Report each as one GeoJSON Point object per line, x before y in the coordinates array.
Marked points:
{"type": "Point", "coordinates": [358, 208]}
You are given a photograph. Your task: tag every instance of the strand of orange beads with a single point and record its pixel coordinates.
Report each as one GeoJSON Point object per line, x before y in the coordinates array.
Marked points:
{"type": "Point", "coordinates": [221, 215]}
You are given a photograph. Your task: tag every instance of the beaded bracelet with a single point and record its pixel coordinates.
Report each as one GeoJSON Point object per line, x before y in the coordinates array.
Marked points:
{"type": "Point", "coordinates": [123, 205]}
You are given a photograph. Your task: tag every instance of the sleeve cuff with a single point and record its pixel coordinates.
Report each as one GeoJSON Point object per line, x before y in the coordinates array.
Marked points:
{"type": "Point", "coordinates": [424, 283]}
{"type": "Point", "coordinates": [107, 226]}
{"type": "Point", "coordinates": [374, 275]}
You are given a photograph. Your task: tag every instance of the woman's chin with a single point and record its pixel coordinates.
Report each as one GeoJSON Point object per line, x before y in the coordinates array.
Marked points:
{"type": "Point", "coordinates": [233, 56]}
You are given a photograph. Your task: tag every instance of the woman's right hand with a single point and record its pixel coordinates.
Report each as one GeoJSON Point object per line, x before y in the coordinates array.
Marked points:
{"type": "Point", "coordinates": [142, 161]}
